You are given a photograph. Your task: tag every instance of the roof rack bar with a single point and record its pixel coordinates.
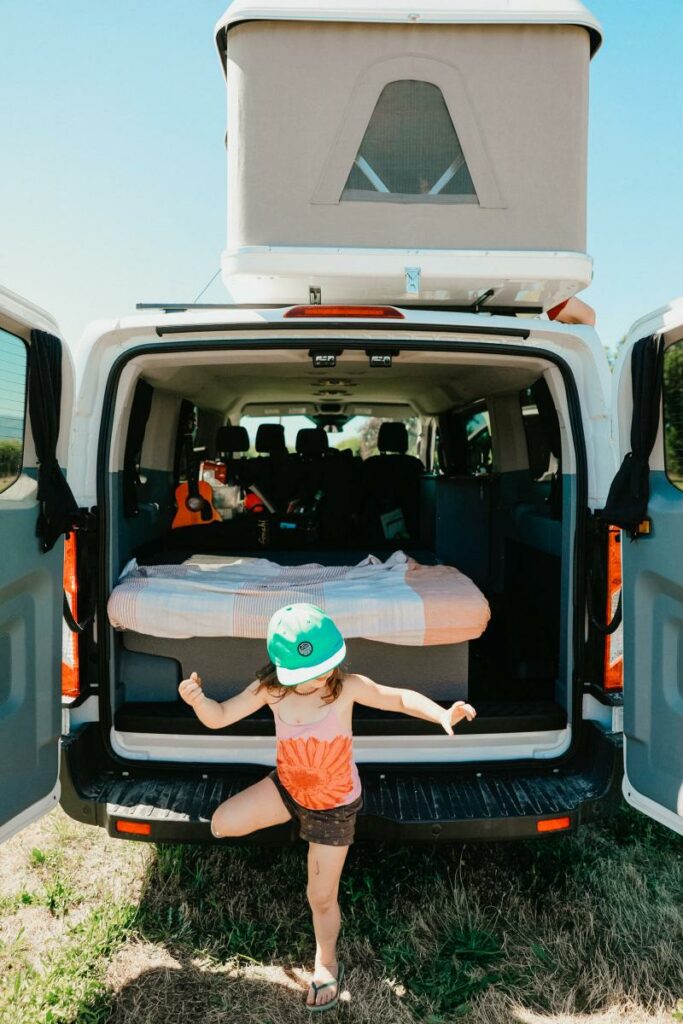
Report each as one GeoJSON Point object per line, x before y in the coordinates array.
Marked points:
{"type": "Point", "coordinates": [181, 307]}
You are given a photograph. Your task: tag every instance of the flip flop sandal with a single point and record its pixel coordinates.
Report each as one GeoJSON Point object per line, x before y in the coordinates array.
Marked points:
{"type": "Point", "coordinates": [316, 1007]}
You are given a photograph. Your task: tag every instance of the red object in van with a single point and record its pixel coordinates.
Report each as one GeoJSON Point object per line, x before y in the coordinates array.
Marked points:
{"type": "Point", "coordinates": [219, 470]}
{"type": "Point", "coordinates": [252, 503]}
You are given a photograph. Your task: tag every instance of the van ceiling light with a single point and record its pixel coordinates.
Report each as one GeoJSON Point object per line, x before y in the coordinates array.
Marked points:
{"type": "Point", "coordinates": [362, 312]}
{"type": "Point", "coordinates": [324, 360]}
{"type": "Point", "coordinates": [380, 359]}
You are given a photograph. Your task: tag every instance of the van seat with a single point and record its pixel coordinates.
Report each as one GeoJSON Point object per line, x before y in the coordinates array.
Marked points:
{"type": "Point", "coordinates": [270, 471]}
{"type": "Point", "coordinates": [392, 478]}
{"type": "Point", "coordinates": [270, 439]}
{"type": "Point", "coordinates": [322, 468]}
{"type": "Point", "coordinates": [229, 441]}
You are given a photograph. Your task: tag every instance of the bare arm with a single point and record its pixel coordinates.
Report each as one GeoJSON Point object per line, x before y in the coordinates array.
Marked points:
{"type": "Point", "coordinates": [217, 714]}
{"type": "Point", "coordinates": [409, 702]}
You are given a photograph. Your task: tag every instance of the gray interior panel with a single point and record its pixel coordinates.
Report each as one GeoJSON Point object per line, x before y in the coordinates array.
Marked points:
{"type": "Point", "coordinates": [152, 667]}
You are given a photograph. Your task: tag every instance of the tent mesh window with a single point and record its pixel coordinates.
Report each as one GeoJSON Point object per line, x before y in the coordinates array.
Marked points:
{"type": "Point", "coordinates": [410, 148]}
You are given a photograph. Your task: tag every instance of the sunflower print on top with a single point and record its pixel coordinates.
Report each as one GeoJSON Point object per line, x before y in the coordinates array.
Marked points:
{"type": "Point", "coordinates": [317, 770]}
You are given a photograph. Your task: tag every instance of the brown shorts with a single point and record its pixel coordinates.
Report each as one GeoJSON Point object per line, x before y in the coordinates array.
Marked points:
{"type": "Point", "coordinates": [334, 826]}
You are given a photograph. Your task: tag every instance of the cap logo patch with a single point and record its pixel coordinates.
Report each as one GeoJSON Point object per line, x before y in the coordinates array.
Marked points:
{"type": "Point", "coordinates": [305, 648]}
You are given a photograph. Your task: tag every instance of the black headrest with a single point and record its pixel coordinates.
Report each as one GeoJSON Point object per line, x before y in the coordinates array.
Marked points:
{"type": "Point", "coordinates": [270, 438]}
{"type": "Point", "coordinates": [393, 437]}
{"type": "Point", "coordinates": [232, 439]}
{"type": "Point", "coordinates": [311, 441]}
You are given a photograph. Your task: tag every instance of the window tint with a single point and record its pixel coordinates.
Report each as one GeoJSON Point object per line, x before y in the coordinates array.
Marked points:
{"type": "Point", "coordinates": [673, 413]}
{"type": "Point", "coordinates": [410, 148]}
{"type": "Point", "coordinates": [13, 368]}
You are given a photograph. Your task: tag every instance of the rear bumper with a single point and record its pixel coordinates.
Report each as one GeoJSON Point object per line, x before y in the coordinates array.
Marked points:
{"type": "Point", "coordinates": [403, 803]}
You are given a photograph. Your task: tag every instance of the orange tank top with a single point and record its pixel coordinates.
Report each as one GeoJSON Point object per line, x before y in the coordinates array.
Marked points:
{"type": "Point", "coordinates": [315, 761]}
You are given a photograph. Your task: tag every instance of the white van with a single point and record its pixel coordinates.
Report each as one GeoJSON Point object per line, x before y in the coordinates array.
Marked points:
{"type": "Point", "coordinates": [473, 448]}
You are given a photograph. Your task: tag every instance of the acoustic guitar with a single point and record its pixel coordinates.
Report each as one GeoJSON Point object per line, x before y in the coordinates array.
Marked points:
{"type": "Point", "coordinates": [194, 506]}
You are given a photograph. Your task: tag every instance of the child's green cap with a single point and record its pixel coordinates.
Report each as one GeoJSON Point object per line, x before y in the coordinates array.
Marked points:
{"type": "Point", "coordinates": [303, 642]}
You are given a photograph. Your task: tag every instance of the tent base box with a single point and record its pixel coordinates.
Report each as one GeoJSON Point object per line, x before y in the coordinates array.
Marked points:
{"type": "Point", "coordinates": [500, 280]}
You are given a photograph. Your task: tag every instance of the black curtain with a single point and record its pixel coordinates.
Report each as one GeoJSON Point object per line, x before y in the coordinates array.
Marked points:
{"type": "Point", "coordinates": [58, 509]}
{"type": "Point", "coordinates": [452, 443]}
{"type": "Point", "coordinates": [139, 414]}
{"type": "Point", "coordinates": [628, 496]}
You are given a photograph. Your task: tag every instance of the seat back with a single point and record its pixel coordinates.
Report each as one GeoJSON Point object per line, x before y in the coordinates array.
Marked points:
{"type": "Point", "coordinates": [392, 480]}
{"type": "Point", "coordinates": [269, 471]}
{"type": "Point", "coordinates": [230, 441]}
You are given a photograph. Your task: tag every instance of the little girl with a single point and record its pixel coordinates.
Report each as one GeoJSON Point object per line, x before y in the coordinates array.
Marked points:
{"type": "Point", "coordinates": [315, 781]}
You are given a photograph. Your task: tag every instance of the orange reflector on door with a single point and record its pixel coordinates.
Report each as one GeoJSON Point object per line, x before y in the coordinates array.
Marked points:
{"type": "Point", "coordinates": [138, 828]}
{"type": "Point", "coordinates": [71, 682]}
{"type": "Point", "coordinates": [366, 312]}
{"type": "Point", "coordinates": [553, 824]}
{"type": "Point", "coordinates": [613, 669]}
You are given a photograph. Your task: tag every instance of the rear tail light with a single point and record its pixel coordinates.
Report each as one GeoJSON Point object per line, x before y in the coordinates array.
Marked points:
{"type": "Point", "coordinates": [71, 682]}
{"type": "Point", "coordinates": [364, 312]}
{"type": "Point", "coordinates": [613, 673]}
{"type": "Point", "coordinates": [553, 824]}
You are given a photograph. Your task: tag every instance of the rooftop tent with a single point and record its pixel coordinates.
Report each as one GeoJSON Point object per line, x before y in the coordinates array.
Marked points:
{"type": "Point", "coordinates": [393, 153]}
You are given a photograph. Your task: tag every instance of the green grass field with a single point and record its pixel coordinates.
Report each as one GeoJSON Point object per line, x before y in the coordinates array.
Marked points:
{"type": "Point", "coordinates": [576, 929]}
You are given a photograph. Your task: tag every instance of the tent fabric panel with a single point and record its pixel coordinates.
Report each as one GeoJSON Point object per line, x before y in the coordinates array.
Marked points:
{"type": "Point", "coordinates": [285, 119]}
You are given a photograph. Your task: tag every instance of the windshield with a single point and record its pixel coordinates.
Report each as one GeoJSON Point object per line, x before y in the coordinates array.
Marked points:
{"type": "Point", "coordinates": [359, 433]}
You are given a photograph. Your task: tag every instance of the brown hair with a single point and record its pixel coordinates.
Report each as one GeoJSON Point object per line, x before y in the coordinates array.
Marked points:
{"type": "Point", "coordinates": [267, 677]}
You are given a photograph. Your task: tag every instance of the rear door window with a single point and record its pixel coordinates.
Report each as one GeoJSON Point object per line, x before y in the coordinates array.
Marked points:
{"type": "Point", "coordinates": [13, 376]}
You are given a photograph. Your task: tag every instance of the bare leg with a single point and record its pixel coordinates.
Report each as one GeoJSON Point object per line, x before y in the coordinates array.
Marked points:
{"type": "Point", "coordinates": [325, 865]}
{"type": "Point", "coordinates": [255, 807]}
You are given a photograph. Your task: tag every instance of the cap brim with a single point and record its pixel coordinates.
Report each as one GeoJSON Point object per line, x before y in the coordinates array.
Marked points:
{"type": "Point", "coordinates": [294, 676]}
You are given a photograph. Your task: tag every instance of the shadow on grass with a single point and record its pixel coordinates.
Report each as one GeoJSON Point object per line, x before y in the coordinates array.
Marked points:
{"type": "Point", "coordinates": [428, 932]}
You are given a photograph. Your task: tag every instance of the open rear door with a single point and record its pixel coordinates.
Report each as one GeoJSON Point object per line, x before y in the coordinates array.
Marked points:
{"type": "Point", "coordinates": [31, 592]}
{"type": "Point", "coordinates": [653, 575]}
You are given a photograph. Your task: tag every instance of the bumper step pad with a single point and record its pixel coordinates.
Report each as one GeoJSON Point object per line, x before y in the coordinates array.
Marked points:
{"type": "Point", "coordinates": [402, 803]}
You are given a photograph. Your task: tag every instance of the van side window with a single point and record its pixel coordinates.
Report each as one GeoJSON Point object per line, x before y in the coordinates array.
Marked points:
{"type": "Point", "coordinates": [673, 413]}
{"type": "Point", "coordinates": [410, 148]}
{"type": "Point", "coordinates": [13, 375]}
{"type": "Point", "coordinates": [463, 442]}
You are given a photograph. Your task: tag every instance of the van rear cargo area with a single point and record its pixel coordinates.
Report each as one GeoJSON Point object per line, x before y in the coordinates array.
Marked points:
{"type": "Point", "coordinates": [472, 458]}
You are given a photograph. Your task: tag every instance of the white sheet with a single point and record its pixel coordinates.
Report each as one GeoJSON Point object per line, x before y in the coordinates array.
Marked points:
{"type": "Point", "coordinates": [398, 601]}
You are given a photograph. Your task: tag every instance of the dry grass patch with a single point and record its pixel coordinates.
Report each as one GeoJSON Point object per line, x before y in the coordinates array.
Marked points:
{"type": "Point", "coordinates": [577, 929]}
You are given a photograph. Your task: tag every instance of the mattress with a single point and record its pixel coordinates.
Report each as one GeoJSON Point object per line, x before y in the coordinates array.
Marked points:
{"type": "Point", "coordinates": [398, 601]}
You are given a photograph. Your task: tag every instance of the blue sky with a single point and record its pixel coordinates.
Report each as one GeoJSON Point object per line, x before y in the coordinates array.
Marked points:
{"type": "Point", "coordinates": [112, 188]}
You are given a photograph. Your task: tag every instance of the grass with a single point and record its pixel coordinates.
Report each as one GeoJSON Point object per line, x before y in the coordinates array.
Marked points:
{"type": "Point", "coordinates": [570, 930]}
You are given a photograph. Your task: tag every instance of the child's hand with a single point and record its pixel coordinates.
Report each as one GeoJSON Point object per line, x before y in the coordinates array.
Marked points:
{"type": "Point", "coordinates": [191, 689]}
{"type": "Point", "coordinates": [455, 713]}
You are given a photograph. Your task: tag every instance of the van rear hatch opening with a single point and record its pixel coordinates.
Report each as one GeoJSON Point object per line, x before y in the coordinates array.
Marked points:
{"type": "Point", "coordinates": [495, 498]}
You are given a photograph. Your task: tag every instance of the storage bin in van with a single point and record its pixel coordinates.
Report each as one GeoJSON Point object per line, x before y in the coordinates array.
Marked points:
{"type": "Point", "coordinates": [407, 154]}
{"type": "Point", "coordinates": [519, 431]}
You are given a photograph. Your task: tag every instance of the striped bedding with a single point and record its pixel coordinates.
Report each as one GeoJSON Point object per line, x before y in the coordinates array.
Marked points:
{"type": "Point", "coordinates": [398, 601]}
